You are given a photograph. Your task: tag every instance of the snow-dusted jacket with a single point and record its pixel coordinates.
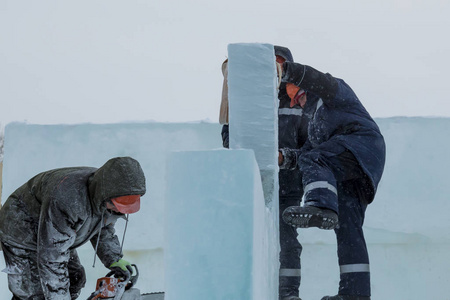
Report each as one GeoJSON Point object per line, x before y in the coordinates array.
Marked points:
{"type": "Point", "coordinates": [59, 210]}
{"type": "Point", "coordinates": [338, 120]}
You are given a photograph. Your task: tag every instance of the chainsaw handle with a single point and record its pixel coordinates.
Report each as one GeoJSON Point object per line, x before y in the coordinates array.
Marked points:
{"type": "Point", "coordinates": [133, 278]}
{"type": "Point", "coordinates": [130, 281]}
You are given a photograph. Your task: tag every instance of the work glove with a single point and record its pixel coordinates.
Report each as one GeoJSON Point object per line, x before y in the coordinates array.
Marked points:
{"type": "Point", "coordinates": [121, 269]}
{"type": "Point", "coordinates": [287, 159]}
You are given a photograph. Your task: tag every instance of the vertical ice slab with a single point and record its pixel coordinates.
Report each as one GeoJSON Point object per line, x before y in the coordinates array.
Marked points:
{"type": "Point", "coordinates": [253, 107]}
{"type": "Point", "coordinates": [216, 240]}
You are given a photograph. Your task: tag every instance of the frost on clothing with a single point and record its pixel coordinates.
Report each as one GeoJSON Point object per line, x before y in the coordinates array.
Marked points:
{"type": "Point", "coordinates": [339, 121]}
{"type": "Point", "coordinates": [341, 165]}
{"type": "Point", "coordinates": [59, 210]}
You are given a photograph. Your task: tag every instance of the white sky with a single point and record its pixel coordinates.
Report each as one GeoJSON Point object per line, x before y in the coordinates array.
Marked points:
{"type": "Point", "coordinates": [107, 61]}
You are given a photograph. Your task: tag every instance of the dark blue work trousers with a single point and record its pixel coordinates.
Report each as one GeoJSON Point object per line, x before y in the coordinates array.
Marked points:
{"type": "Point", "coordinates": [337, 182]}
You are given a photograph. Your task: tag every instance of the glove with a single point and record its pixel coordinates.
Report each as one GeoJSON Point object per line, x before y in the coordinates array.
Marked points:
{"type": "Point", "coordinates": [121, 269]}
{"type": "Point", "coordinates": [287, 158]}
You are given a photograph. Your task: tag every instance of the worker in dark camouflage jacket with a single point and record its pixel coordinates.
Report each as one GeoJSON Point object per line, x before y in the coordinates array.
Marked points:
{"type": "Point", "coordinates": [46, 219]}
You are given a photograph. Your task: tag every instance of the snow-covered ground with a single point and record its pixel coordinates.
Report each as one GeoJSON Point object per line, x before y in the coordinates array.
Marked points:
{"type": "Point", "coordinates": [407, 227]}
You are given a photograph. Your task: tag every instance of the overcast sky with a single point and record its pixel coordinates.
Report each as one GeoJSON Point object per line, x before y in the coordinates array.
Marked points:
{"type": "Point", "coordinates": [110, 61]}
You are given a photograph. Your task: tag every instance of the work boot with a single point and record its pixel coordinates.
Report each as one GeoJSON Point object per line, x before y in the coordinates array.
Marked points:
{"type": "Point", "coordinates": [346, 297]}
{"type": "Point", "coordinates": [291, 298]}
{"type": "Point", "coordinates": [310, 216]}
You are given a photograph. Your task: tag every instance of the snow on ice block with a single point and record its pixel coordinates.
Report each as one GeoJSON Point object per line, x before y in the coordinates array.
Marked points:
{"type": "Point", "coordinates": [216, 237]}
{"type": "Point", "coordinates": [253, 108]}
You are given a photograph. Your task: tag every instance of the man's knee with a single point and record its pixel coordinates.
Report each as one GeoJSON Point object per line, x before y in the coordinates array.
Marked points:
{"type": "Point", "coordinates": [308, 158]}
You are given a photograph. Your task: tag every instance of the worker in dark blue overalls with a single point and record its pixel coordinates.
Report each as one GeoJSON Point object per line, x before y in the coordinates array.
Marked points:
{"type": "Point", "coordinates": [341, 165]}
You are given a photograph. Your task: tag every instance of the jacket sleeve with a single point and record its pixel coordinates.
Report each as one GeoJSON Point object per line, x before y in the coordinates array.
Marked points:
{"type": "Point", "coordinates": [292, 156]}
{"type": "Point", "coordinates": [109, 250]}
{"type": "Point", "coordinates": [311, 80]}
{"type": "Point", "coordinates": [56, 234]}
{"type": "Point", "coordinates": [225, 136]}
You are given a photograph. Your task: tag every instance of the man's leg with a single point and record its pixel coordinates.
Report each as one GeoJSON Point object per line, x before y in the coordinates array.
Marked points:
{"type": "Point", "coordinates": [321, 170]}
{"type": "Point", "coordinates": [77, 275]}
{"type": "Point", "coordinates": [290, 250]}
{"type": "Point", "coordinates": [352, 250]}
{"type": "Point", "coordinates": [23, 274]}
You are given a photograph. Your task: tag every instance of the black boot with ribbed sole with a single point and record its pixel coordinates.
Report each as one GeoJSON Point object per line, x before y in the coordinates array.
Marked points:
{"type": "Point", "coordinates": [310, 216]}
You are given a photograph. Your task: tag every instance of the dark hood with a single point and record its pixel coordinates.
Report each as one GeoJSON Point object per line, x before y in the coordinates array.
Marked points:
{"type": "Point", "coordinates": [119, 176]}
{"type": "Point", "coordinates": [284, 52]}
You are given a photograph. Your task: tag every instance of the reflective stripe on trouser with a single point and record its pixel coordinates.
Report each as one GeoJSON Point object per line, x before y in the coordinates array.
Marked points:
{"type": "Point", "coordinates": [352, 250]}
{"type": "Point", "coordinates": [354, 268]}
{"type": "Point", "coordinates": [289, 282]}
{"type": "Point", "coordinates": [322, 194]}
{"type": "Point", "coordinates": [320, 185]}
{"type": "Point", "coordinates": [290, 272]}
{"type": "Point", "coordinates": [319, 182]}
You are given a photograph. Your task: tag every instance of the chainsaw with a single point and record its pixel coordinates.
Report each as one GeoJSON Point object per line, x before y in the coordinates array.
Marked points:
{"type": "Point", "coordinates": [110, 287]}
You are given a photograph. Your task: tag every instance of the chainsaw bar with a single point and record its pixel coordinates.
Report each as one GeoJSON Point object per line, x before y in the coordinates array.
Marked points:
{"type": "Point", "coordinates": [153, 296]}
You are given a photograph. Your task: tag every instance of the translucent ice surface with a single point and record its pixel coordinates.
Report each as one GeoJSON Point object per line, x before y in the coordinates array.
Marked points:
{"type": "Point", "coordinates": [253, 108]}
{"type": "Point", "coordinates": [407, 226]}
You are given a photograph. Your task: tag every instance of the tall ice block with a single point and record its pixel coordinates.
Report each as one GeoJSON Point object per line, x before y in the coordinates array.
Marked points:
{"type": "Point", "coordinates": [253, 108]}
{"type": "Point", "coordinates": [217, 239]}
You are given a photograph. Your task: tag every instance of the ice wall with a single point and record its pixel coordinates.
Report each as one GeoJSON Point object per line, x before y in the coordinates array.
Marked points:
{"type": "Point", "coordinates": [215, 227]}
{"type": "Point", "coordinates": [30, 149]}
{"type": "Point", "coordinates": [413, 196]}
{"type": "Point", "coordinates": [407, 226]}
